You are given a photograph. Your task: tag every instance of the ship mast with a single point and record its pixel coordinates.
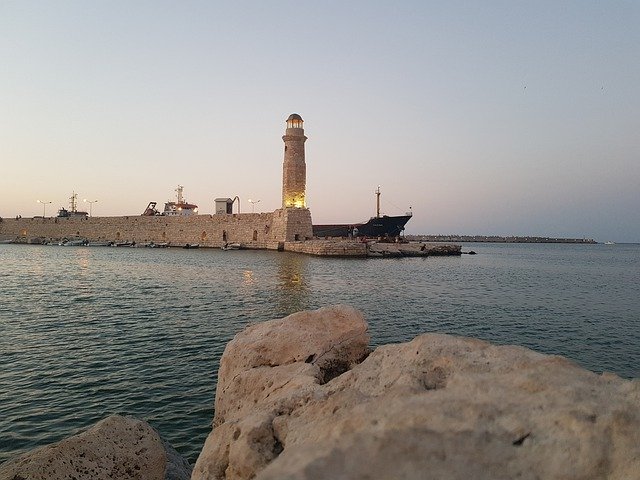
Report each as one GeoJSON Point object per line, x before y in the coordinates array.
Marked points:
{"type": "Point", "coordinates": [378, 202]}
{"type": "Point", "coordinates": [74, 199]}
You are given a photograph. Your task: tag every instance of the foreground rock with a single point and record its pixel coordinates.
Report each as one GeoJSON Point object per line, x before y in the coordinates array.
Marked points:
{"type": "Point", "coordinates": [436, 407]}
{"type": "Point", "coordinates": [270, 370]}
{"type": "Point", "coordinates": [116, 448]}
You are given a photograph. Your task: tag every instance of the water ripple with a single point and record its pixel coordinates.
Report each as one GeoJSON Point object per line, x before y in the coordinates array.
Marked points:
{"type": "Point", "coordinates": [90, 332]}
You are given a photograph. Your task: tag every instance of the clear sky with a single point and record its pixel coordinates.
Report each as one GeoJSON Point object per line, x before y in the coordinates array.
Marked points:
{"type": "Point", "coordinates": [485, 117]}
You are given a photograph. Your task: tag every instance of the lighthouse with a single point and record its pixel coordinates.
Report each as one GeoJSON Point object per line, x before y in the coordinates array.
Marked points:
{"type": "Point", "coordinates": [294, 168]}
{"type": "Point", "coordinates": [292, 222]}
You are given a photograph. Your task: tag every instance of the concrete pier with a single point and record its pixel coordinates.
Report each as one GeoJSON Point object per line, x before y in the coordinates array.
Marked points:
{"type": "Point", "coordinates": [335, 247]}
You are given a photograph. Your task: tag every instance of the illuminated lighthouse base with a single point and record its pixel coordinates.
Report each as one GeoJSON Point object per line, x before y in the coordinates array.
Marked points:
{"type": "Point", "coordinates": [292, 224]}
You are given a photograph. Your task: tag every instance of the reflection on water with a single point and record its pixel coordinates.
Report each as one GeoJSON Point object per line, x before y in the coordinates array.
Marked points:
{"type": "Point", "coordinates": [82, 256]}
{"type": "Point", "coordinates": [86, 332]}
{"type": "Point", "coordinates": [247, 277]}
{"type": "Point", "coordinates": [293, 287]}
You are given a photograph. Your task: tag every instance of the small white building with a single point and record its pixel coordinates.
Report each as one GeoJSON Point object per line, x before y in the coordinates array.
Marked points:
{"type": "Point", "coordinates": [224, 206]}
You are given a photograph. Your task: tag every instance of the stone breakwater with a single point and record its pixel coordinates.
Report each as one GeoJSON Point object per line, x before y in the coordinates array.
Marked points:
{"type": "Point", "coordinates": [304, 397]}
{"type": "Point", "coordinates": [334, 247]}
{"type": "Point", "coordinates": [254, 230]}
{"type": "Point", "coordinates": [284, 230]}
{"type": "Point", "coordinates": [497, 239]}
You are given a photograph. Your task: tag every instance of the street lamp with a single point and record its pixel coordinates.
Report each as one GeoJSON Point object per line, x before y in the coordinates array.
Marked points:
{"type": "Point", "coordinates": [44, 208]}
{"type": "Point", "coordinates": [253, 204]}
{"type": "Point", "coordinates": [90, 202]}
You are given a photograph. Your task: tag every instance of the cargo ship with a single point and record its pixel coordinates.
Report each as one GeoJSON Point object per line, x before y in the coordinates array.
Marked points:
{"type": "Point", "coordinates": [379, 226]}
{"type": "Point", "coordinates": [180, 208]}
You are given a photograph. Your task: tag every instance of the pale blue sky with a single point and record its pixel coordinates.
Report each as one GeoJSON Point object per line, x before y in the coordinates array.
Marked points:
{"type": "Point", "coordinates": [485, 117]}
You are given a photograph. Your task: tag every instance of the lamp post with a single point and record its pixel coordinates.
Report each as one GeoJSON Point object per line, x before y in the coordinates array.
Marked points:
{"type": "Point", "coordinates": [90, 202]}
{"type": "Point", "coordinates": [44, 208]}
{"type": "Point", "coordinates": [253, 205]}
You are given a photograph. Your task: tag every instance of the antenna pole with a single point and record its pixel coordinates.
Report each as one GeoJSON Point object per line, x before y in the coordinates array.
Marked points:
{"type": "Point", "coordinates": [73, 198]}
{"type": "Point", "coordinates": [378, 202]}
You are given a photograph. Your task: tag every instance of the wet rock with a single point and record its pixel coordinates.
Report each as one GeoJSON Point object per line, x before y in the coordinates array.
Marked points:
{"type": "Point", "coordinates": [115, 448]}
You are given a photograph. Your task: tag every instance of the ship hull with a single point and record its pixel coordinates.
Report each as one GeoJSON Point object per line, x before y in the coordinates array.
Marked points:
{"type": "Point", "coordinates": [384, 226]}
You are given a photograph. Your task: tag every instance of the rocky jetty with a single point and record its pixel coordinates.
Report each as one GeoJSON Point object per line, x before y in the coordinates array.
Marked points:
{"type": "Point", "coordinates": [297, 399]}
{"type": "Point", "coordinates": [411, 249]}
{"type": "Point", "coordinates": [117, 447]}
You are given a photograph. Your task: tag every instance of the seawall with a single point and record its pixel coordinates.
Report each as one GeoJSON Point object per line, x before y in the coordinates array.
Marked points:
{"type": "Point", "coordinates": [253, 230]}
{"type": "Point", "coordinates": [328, 248]}
{"type": "Point", "coordinates": [287, 229]}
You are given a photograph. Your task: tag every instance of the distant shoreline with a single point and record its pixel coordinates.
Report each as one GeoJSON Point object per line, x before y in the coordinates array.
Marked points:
{"type": "Point", "coordinates": [496, 239]}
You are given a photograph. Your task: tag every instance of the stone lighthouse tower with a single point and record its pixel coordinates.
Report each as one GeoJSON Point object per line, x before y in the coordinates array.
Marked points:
{"type": "Point", "coordinates": [294, 168]}
{"type": "Point", "coordinates": [292, 223]}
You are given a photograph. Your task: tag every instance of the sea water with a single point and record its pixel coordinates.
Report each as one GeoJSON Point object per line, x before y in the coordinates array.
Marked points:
{"type": "Point", "coordinates": [88, 332]}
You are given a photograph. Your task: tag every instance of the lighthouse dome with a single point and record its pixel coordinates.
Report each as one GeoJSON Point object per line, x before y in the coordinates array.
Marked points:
{"type": "Point", "coordinates": [294, 121]}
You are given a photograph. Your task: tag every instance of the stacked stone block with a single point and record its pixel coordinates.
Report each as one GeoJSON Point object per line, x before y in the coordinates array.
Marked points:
{"type": "Point", "coordinates": [328, 248]}
{"type": "Point", "coordinates": [253, 230]}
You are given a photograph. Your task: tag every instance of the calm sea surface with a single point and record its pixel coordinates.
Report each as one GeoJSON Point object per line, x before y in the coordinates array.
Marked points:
{"type": "Point", "coordinates": [88, 332]}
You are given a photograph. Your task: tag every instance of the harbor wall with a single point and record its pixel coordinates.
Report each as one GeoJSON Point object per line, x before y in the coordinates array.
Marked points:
{"type": "Point", "coordinates": [253, 230]}
{"type": "Point", "coordinates": [328, 248]}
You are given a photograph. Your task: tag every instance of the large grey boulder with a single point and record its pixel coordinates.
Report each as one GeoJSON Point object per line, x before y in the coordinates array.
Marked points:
{"type": "Point", "coordinates": [116, 448]}
{"type": "Point", "coordinates": [439, 406]}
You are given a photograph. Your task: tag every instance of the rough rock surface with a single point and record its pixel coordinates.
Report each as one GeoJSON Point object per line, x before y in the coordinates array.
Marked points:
{"type": "Point", "coordinates": [115, 448]}
{"type": "Point", "coordinates": [271, 369]}
{"type": "Point", "coordinates": [436, 407]}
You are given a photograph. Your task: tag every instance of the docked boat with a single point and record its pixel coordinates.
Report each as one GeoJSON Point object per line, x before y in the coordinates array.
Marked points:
{"type": "Point", "coordinates": [231, 246]}
{"type": "Point", "coordinates": [178, 208]}
{"type": "Point", "coordinates": [379, 226]}
{"type": "Point", "coordinates": [73, 210]}
{"type": "Point", "coordinates": [126, 243]}
{"type": "Point", "coordinates": [153, 245]}
{"type": "Point", "coordinates": [78, 242]}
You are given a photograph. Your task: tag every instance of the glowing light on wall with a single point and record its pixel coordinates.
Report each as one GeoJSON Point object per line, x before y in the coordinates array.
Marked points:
{"type": "Point", "coordinates": [295, 201]}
